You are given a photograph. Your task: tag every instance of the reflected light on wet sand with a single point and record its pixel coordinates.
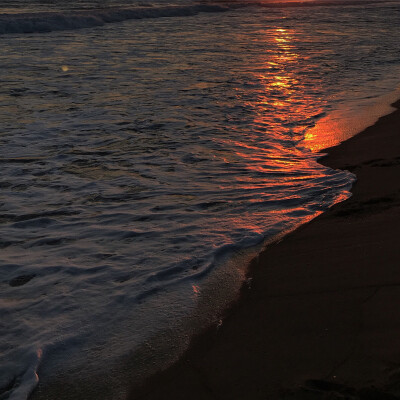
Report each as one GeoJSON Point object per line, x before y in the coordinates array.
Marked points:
{"type": "Point", "coordinates": [347, 121]}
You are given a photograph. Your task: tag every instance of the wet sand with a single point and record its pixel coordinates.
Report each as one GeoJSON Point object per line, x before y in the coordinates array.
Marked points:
{"type": "Point", "coordinates": [320, 317]}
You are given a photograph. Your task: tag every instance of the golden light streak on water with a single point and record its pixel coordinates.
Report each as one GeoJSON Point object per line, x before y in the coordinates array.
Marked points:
{"type": "Point", "coordinates": [283, 87]}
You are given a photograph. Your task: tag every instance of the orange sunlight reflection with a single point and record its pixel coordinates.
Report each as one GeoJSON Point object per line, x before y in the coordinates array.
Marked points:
{"type": "Point", "coordinates": [347, 121]}
{"type": "Point", "coordinates": [326, 133]}
{"type": "Point", "coordinates": [283, 108]}
{"type": "Point", "coordinates": [284, 90]}
{"type": "Point", "coordinates": [278, 81]}
{"type": "Point", "coordinates": [276, 104]}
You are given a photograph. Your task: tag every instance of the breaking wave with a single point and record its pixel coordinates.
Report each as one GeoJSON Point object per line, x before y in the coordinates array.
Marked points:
{"type": "Point", "coordinates": [41, 22]}
{"type": "Point", "coordinates": [58, 21]}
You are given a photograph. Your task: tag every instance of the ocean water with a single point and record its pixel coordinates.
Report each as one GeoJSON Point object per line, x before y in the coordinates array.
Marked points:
{"type": "Point", "coordinates": [144, 147]}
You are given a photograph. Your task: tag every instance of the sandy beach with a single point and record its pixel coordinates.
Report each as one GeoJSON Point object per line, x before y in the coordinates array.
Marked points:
{"type": "Point", "coordinates": [319, 317]}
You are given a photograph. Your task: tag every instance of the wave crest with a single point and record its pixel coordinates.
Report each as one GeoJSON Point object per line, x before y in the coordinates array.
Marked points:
{"type": "Point", "coordinates": [42, 22]}
{"type": "Point", "coordinates": [57, 21]}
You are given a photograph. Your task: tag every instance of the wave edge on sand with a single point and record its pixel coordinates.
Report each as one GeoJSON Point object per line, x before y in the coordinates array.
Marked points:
{"type": "Point", "coordinates": [319, 319]}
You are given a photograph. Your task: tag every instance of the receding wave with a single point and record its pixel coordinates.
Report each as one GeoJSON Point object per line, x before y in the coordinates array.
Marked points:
{"type": "Point", "coordinates": [67, 20]}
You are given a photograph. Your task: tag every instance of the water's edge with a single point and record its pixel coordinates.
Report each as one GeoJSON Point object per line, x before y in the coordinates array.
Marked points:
{"type": "Point", "coordinates": [93, 351]}
{"type": "Point", "coordinates": [220, 294]}
{"type": "Point", "coordinates": [242, 262]}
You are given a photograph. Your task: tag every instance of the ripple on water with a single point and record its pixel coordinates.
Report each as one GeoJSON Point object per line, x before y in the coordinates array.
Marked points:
{"type": "Point", "coordinates": [131, 175]}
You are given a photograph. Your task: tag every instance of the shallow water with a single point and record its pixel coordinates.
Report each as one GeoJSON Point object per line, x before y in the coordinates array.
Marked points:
{"type": "Point", "coordinates": [137, 156]}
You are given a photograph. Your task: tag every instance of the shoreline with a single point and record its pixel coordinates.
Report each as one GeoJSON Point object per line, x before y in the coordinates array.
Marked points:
{"type": "Point", "coordinates": [320, 316]}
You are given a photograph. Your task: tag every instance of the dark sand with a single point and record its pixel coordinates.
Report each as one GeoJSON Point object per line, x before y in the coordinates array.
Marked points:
{"type": "Point", "coordinates": [321, 319]}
